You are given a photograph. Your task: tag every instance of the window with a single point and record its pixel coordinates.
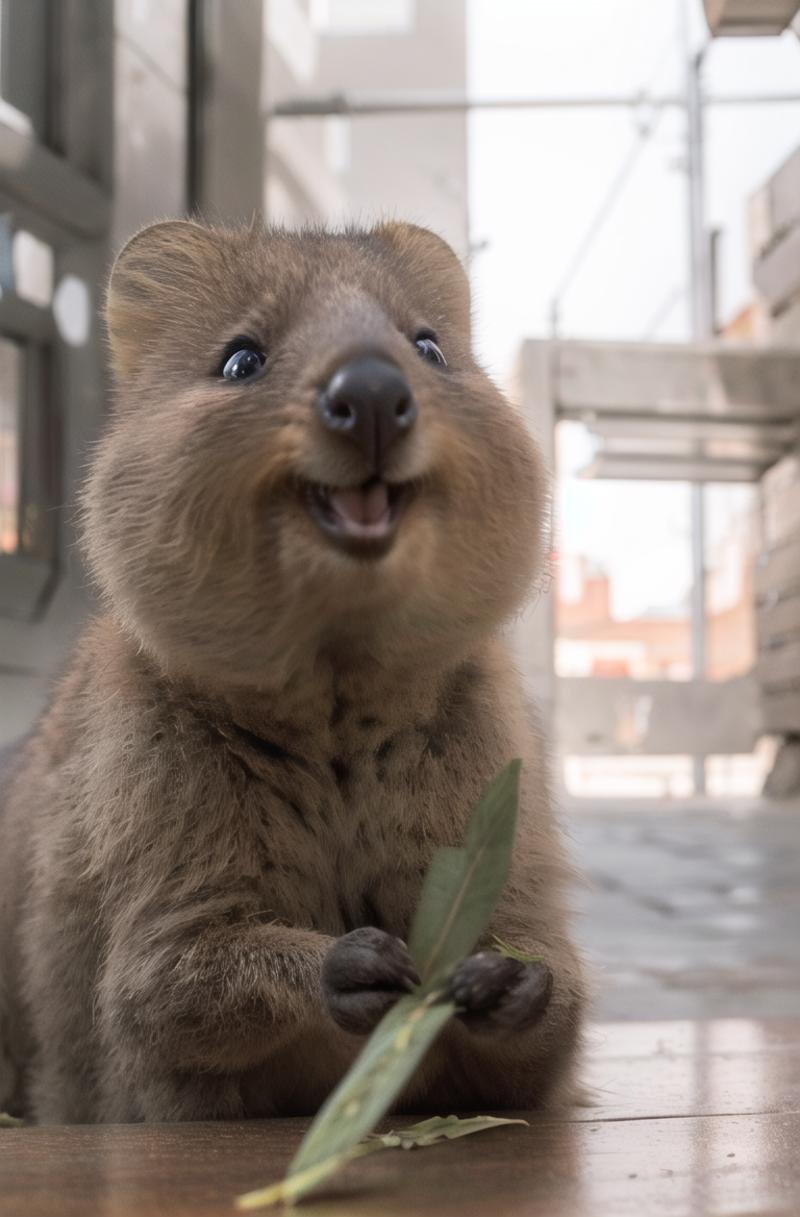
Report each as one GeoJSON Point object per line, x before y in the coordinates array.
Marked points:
{"type": "Point", "coordinates": [624, 573]}
{"type": "Point", "coordinates": [23, 62]}
{"type": "Point", "coordinates": [354, 17]}
{"type": "Point", "coordinates": [28, 454]}
{"type": "Point", "coordinates": [27, 270]}
{"type": "Point", "coordinates": [635, 717]}
{"type": "Point", "coordinates": [10, 447]}
{"type": "Point", "coordinates": [32, 265]}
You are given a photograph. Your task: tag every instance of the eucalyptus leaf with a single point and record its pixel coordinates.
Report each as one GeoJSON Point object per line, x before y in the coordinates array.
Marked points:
{"type": "Point", "coordinates": [459, 895]}
{"type": "Point", "coordinates": [415, 1136]}
{"type": "Point", "coordinates": [438, 1128]}
{"type": "Point", "coordinates": [463, 884]}
{"type": "Point", "coordinates": [391, 1055]}
{"type": "Point", "coordinates": [364, 1095]}
{"type": "Point", "coordinates": [292, 1187]}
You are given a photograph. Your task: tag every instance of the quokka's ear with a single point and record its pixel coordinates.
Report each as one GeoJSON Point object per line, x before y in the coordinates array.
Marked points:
{"type": "Point", "coordinates": [165, 271]}
{"type": "Point", "coordinates": [431, 257]}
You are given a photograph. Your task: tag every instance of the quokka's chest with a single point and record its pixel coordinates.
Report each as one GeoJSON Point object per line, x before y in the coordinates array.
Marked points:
{"type": "Point", "coordinates": [344, 840]}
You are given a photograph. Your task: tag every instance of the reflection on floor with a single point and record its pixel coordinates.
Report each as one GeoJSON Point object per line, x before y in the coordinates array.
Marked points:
{"type": "Point", "coordinates": [690, 913]}
{"type": "Point", "coordinates": [687, 1119]}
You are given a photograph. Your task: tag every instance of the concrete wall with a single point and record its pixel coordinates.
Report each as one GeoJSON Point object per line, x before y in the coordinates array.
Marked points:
{"type": "Point", "coordinates": [405, 166]}
{"type": "Point", "coordinates": [775, 236]}
{"type": "Point", "coordinates": [775, 243]}
{"type": "Point", "coordinates": [150, 113]}
{"type": "Point", "coordinates": [301, 186]}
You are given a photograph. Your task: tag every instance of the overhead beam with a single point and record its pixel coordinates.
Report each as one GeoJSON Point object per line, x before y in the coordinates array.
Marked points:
{"type": "Point", "coordinates": [708, 381]}
{"type": "Point", "coordinates": [36, 177]}
{"type": "Point", "coordinates": [749, 18]}
{"type": "Point", "coordinates": [694, 431]}
{"type": "Point", "coordinates": [648, 468]}
{"type": "Point", "coordinates": [355, 105]}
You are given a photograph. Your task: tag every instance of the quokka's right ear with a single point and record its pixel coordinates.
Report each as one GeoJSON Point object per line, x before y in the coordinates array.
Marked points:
{"type": "Point", "coordinates": [164, 271]}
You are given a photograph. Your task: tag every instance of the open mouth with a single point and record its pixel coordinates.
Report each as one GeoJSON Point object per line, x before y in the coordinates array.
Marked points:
{"type": "Point", "coordinates": [362, 520]}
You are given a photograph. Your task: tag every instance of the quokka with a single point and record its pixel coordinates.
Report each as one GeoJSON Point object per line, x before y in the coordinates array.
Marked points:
{"type": "Point", "coordinates": [309, 518]}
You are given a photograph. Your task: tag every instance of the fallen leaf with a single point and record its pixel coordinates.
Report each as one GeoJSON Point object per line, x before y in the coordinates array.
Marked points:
{"type": "Point", "coordinates": [439, 1128]}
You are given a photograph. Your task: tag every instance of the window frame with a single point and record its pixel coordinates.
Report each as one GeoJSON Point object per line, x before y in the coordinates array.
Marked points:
{"type": "Point", "coordinates": [55, 176]}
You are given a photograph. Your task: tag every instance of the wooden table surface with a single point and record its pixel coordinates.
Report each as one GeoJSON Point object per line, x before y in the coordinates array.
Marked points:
{"type": "Point", "coordinates": [688, 1119]}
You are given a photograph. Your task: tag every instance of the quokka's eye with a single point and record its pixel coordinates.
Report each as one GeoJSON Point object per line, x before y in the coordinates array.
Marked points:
{"type": "Point", "coordinates": [429, 349]}
{"type": "Point", "coordinates": [242, 360]}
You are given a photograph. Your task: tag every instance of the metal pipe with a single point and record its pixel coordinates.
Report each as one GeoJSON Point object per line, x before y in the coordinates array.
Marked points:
{"type": "Point", "coordinates": [702, 295]}
{"type": "Point", "coordinates": [354, 106]}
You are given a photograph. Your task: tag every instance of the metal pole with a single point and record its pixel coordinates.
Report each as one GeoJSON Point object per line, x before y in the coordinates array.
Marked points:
{"type": "Point", "coordinates": [355, 105]}
{"type": "Point", "coordinates": [697, 490]}
{"type": "Point", "coordinates": [702, 295]}
{"type": "Point", "coordinates": [699, 238]}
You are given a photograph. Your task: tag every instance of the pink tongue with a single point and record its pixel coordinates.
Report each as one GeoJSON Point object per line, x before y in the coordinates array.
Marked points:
{"type": "Point", "coordinates": [362, 506]}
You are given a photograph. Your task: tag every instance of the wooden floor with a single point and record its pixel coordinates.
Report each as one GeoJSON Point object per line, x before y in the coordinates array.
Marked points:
{"type": "Point", "coordinates": [687, 1119]}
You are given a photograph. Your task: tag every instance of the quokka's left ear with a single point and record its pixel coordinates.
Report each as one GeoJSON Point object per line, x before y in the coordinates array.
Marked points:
{"type": "Point", "coordinates": [164, 271]}
{"type": "Point", "coordinates": [429, 256]}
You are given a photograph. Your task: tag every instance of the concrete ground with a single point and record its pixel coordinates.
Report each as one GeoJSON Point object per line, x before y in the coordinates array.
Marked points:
{"type": "Point", "coordinates": [690, 913]}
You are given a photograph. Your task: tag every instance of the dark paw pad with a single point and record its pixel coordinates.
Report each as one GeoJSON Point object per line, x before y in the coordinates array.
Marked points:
{"type": "Point", "coordinates": [496, 992]}
{"type": "Point", "coordinates": [364, 973]}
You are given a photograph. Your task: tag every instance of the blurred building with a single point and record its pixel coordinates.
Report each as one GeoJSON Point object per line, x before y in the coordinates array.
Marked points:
{"type": "Point", "coordinates": [722, 410]}
{"type": "Point", "coordinates": [117, 112]}
{"type": "Point", "coordinates": [111, 115]}
{"type": "Point", "coordinates": [591, 641]}
{"type": "Point", "coordinates": [746, 18]}
{"type": "Point", "coordinates": [411, 165]}
{"type": "Point", "coordinates": [775, 242]}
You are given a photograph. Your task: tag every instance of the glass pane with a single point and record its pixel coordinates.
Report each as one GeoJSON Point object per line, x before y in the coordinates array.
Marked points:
{"type": "Point", "coordinates": [624, 573]}
{"type": "Point", "coordinates": [23, 62]}
{"type": "Point", "coordinates": [33, 268]}
{"type": "Point", "coordinates": [10, 383]}
{"type": "Point", "coordinates": [731, 546]}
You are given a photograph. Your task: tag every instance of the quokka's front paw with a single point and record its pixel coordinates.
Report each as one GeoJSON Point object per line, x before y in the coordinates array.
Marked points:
{"type": "Point", "coordinates": [497, 993]}
{"type": "Point", "coordinates": [364, 973]}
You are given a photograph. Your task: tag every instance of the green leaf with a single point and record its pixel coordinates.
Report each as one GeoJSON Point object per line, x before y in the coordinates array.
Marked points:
{"type": "Point", "coordinates": [7, 1121]}
{"type": "Point", "coordinates": [294, 1186]}
{"type": "Point", "coordinates": [459, 895]}
{"type": "Point", "coordinates": [463, 884]}
{"type": "Point", "coordinates": [438, 1128]}
{"type": "Point", "coordinates": [415, 1136]}
{"type": "Point", "coordinates": [391, 1055]}
{"type": "Point", "coordinates": [506, 948]}
{"type": "Point", "coordinates": [364, 1095]}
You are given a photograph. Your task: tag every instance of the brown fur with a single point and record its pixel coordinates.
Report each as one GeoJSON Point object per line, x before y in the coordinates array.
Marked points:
{"type": "Point", "coordinates": [261, 741]}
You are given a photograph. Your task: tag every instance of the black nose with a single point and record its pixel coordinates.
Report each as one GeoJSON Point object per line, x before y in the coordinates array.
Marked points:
{"type": "Point", "coordinates": [369, 401]}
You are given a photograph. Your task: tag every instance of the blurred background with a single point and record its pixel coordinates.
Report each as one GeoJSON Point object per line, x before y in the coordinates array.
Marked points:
{"type": "Point", "coordinates": [622, 180]}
